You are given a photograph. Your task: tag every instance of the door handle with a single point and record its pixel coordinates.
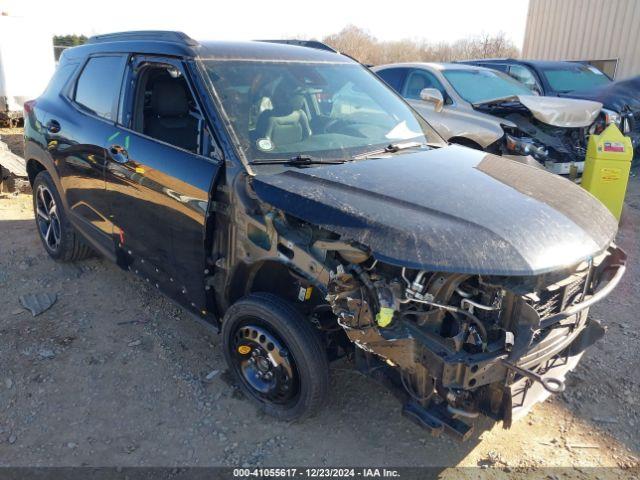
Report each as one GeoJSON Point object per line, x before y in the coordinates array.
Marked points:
{"type": "Point", "coordinates": [53, 126]}
{"type": "Point", "coordinates": [118, 154]}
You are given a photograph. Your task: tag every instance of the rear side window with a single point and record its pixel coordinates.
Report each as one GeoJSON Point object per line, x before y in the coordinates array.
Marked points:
{"type": "Point", "coordinates": [98, 87]}
{"type": "Point", "coordinates": [394, 77]}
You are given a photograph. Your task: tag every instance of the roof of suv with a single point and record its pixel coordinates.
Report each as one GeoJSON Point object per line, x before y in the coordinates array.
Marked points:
{"type": "Point", "coordinates": [179, 44]}
{"type": "Point", "coordinates": [260, 50]}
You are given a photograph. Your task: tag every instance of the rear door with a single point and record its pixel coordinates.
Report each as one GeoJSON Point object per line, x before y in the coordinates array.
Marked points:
{"type": "Point", "coordinates": [159, 176]}
{"type": "Point", "coordinates": [76, 127]}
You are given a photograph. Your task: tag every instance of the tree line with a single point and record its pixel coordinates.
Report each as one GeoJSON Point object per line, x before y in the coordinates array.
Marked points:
{"type": "Point", "coordinates": [60, 42]}
{"type": "Point", "coordinates": [69, 40]}
{"type": "Point", "coordinates": [367, 49]}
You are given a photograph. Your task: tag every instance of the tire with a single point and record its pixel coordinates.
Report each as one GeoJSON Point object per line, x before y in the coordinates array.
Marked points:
{"type": "Point", "coordinates": [282, 324]}
{"type": "Point", "coordinates": [61, 242]}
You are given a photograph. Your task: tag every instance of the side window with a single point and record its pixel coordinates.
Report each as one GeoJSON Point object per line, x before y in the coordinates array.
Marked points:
{"type": "Point", "coordinates": [98, 87]}
{"type": "Point", "coordinates": [420, 79]}
{"type": "Point", "coordinates": [394, 77]}
{"type": "Point", "coordinates": [164, 108]}
{"type": "Point", "coordinates": [523, 75]}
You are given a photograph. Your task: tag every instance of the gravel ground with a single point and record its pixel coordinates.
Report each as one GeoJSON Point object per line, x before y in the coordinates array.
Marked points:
{"type": "Point", "coordinates": [115, 374]}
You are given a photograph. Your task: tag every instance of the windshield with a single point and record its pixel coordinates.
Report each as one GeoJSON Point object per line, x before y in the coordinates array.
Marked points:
{"type": "Point", "coordinates": [326, 110]}
{"type": "Point", "coordinates": [478, 86]}
{"type": "Point", "coordinates": [574, 78]}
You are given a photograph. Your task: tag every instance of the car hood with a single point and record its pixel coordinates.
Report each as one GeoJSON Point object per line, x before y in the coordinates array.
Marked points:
{"type": "Point", "coordinates": [556, 111]}
{"type": "Point", "coordinates": [614, 96]}
{"type": "Point", "coordinates": [448, 209]}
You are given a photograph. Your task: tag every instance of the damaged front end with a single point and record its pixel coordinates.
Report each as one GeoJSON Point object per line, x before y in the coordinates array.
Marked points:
{"type": "Point", "coordinates": [471, 290]}
{"type": "Point", "coordinates": [454, 346]}
{"type": "Point", "coordinates": [553, 131]}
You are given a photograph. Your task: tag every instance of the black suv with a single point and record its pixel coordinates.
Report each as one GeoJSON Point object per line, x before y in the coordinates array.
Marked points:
{"type": "Point", "coordinates": [289, 197]}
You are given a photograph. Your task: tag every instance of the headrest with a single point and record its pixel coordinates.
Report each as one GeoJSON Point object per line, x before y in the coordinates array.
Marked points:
{"type": "Point", "coordinates": [282, 99]}
{"type": "Point", "coordinates": [417, 83]}
{"type": "Point", "coordinates": [169, 98]}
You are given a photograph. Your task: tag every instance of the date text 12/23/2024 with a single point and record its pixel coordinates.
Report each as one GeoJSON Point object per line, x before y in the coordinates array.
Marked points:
{"type": "Point", "coordinates": [367, 472]}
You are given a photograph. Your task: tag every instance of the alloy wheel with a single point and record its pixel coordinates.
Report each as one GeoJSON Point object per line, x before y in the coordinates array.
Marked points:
{"type": "Point", "coordinates": [47, 218]}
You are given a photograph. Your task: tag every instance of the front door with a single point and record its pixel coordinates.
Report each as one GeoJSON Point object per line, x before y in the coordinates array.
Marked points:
{"type": "Point", "coordinates": [159, 181]}
{"type": "Point", "coordinates": [416, 81]}
{"type": "Point", "coordinates": [451, 121]}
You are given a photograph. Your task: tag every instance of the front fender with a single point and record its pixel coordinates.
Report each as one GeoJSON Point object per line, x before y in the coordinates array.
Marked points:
{"type": "Point", "coordinates": [456, 122]}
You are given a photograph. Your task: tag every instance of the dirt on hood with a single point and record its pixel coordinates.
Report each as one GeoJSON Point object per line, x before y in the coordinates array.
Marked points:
{"type": "Point", "coordinates": [451, 209]}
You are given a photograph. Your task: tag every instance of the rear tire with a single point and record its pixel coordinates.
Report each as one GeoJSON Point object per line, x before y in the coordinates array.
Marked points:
{"type": "Point", "coordinates": [58, 237]}
{"type": "Point", "coordinates": [276, 356]}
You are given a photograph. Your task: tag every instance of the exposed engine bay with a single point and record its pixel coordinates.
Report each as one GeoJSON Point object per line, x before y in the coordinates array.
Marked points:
{"type": "Point", "coordinates": [457, 343]}
{"type": "Point", "coordinates": [450, 346]}
{"type": "Point", "coordinates": [555, 147]}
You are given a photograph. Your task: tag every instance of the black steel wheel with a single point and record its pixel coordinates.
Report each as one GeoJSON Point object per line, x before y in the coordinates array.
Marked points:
{"type": "Point", "coordinates": [265, 364]}
{"type": "Point", "coordinates": [59, 238]}
{"type": "Point", "coordinates": [276, 356]}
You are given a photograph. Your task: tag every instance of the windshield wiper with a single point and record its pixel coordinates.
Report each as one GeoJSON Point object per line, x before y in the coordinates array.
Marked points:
{"type": "Point", "coordinates": [297, 161]}
{"type": "Point", "coordinates": [391, 148]}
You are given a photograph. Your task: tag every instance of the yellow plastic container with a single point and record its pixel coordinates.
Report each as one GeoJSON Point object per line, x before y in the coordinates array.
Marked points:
{"type": "Point", "coordinates": [606, 168]}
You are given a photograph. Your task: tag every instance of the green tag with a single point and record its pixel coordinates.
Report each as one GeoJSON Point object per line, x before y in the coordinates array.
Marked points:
{"type": "Point", "coordinates": [384, 316]}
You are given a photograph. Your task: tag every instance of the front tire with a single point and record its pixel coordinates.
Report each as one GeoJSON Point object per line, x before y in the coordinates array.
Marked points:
{"type": "Point", "coordinates": [276, 356]}
{"type": "Point", "coordinates": [58, 237]}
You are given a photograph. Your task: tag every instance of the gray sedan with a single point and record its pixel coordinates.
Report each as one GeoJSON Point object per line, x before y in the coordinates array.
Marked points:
{"type": "Point", "coordinates": [488, 110]}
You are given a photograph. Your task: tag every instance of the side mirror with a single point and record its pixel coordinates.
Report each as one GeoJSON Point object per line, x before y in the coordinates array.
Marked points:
{"type": "Point", "coordinates": [434, 96]}
{"type": "Point", "coordinates": [174, 72]}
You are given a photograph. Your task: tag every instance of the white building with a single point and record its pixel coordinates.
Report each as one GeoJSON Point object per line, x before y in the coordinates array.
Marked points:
{"type": "Point", "coordinates": [606, 33]}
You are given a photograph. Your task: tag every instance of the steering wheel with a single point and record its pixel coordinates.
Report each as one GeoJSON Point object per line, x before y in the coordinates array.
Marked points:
{"type": "Point", "coordinates": [333, 123]}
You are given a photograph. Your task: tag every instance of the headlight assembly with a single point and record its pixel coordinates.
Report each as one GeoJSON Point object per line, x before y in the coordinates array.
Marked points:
{"type": "Point", "coordinates": [524, 146]}
{"type": "Point", "coordinates": [611, 117]}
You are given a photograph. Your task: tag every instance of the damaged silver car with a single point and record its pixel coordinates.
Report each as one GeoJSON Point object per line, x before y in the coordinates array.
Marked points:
{"type": "Point", "coordinates": [488, 110]}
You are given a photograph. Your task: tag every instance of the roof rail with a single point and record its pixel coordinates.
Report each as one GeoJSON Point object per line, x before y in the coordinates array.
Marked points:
{"type": "Point", "coordinates": [142, 35]}
{"type": "Point", "coordinates": [314, 44]}
{"type": "Point", "coordinates": [304, 43]}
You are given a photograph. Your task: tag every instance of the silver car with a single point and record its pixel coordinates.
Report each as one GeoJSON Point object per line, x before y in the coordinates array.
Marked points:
{"type": "Point", "coordinates": [488, 110]}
